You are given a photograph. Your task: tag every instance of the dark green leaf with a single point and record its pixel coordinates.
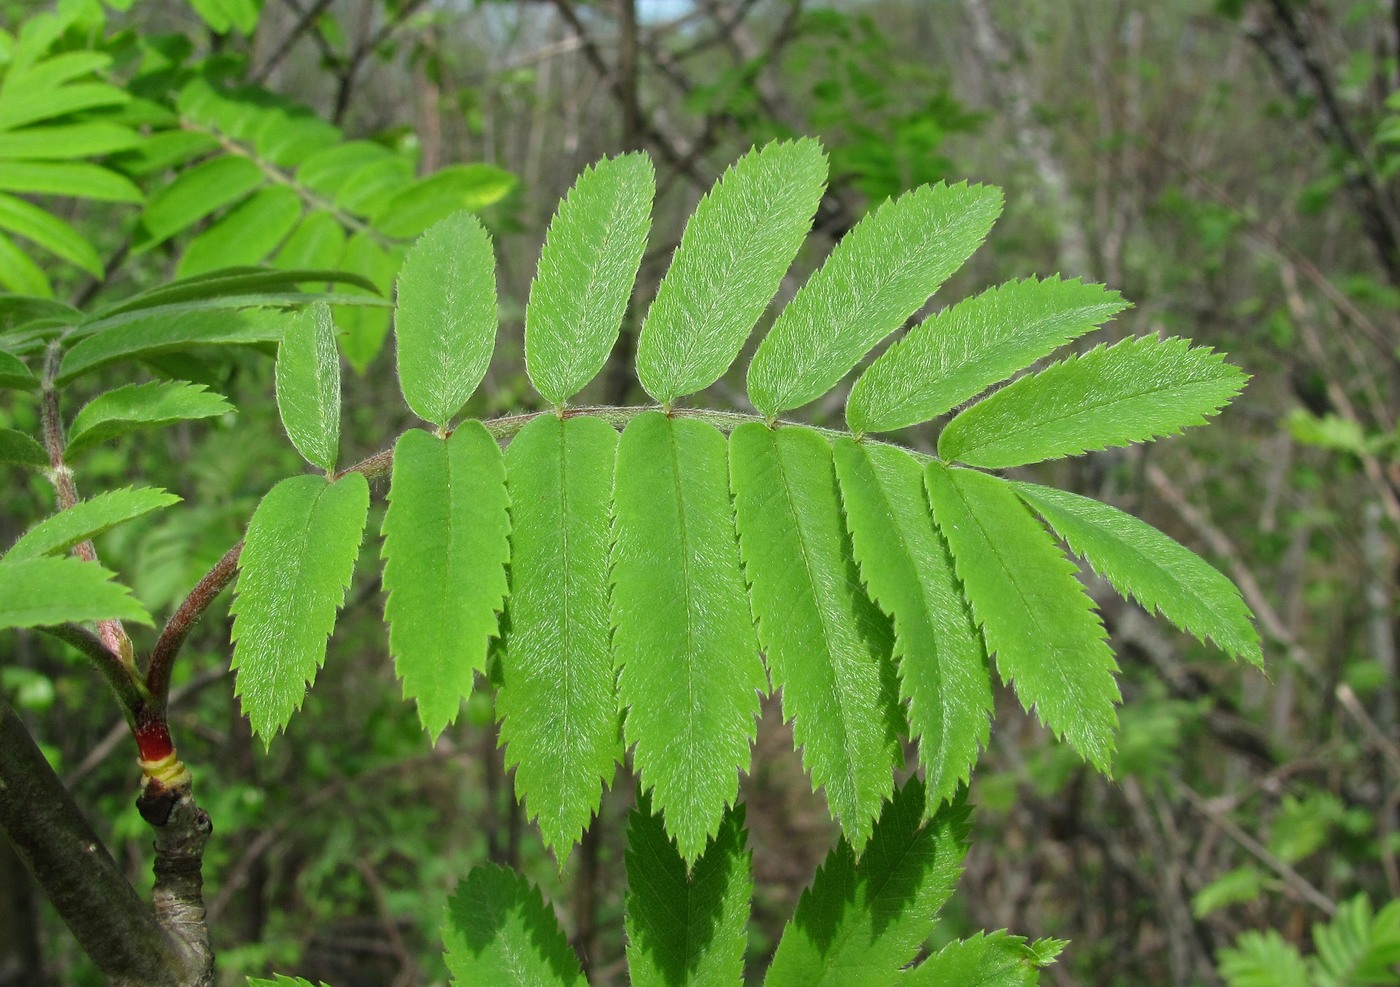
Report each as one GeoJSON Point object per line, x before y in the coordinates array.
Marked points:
{"type": "Point", "coordinates": [143, 335]}
{"type": "Point", "coordinates": [14, 374]}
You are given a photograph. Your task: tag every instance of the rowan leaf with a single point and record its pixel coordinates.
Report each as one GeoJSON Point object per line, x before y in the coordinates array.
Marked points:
{"type": "Point", "coordinates": [87, 519]}
{"type": "Point", "coordinates": [557, 700]}
{"type": "Point", "coordinates": [145, 334]}
{"type": "Point", "coordinates": [499, 931]}
{"type": "Point", "coordinates": [141, 406]}
{"type": "Point", "coordinates": [686, 920]}
{"type": "Point", "coordinates": [880, 273]}
{"type": "Point", "coordinates": [1034, 614]}
{"type": "Point", "coordinates": [733, 254]}
{"type": "Point", "coordinates": [827, 645]}
{"type": "Point", "coordinates": [40, 592]}
{"type": "Point", "coordinates": [445, 321]}
{"type": "Point", "coordinates": [297, 561]}
{"type": "Point", "coordinates": [587, 268]}
{"type": "Point", "coordinates": [689, 671]}
{"type": "Point", "coordinates": [1146, 565]}
{"type": "Point", "coordinates": [987, 959]}
{"type": "Point", "coordinates": [198, 192]}
{"type": "Point", "coordinates": [308, 385]}
{"type": "Point", "coordinates": [75, 179]}
{"type": "Point", "coordinates": [965, 348]}
{"type": "Point", "coordinates": [908, 572]}
{"type": "Point", "coordinates": [46, 230]}
{"type": "Point", "coordinates": [425, 201]}
{"type": "Point", "coordinates": [1134, 391]}
{"type": "Point", "coordinates": [445, 551]}
{"type": "Point", "coordinates": [19, 448]}
{"type": "Point", "coordinates": [14, 374]}
{"type": "Point", "coordinates": [246, 234]}
{"type": "Point", "coordinates": [862, 922]}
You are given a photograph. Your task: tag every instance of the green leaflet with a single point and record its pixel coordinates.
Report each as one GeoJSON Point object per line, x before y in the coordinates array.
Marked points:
{"type": "Point", "coordinates": [827, 645]}
{"type": "Point", "coordinates": [198, 192]}
{"type": "Point", "coordinates": [13, 373]}
{"type": "Point", "coordinates": [1263, 959]}
{"type": "Point", "coordinates": [557, 701]}
{"type": "Point", "coordinates": [878, 275]}
{"type": "Point", "coordinates": [686, 925]}
{"type": "Point", "coordinates": [587, 267]}
{"type": "Point", "coordinates": [45, 591]}
{"type": "Point", "coordinates": [21, 275]}
{"type": "Point", "coordinates": [420, 204]}
{"type": "Point", "coordinates": [318, 241]}
{"type": "Point", "coordinates": [732, 257]}
{"type": "Point", "coordinates": [48, 231]}
{"type": "Point", "coordinates": [966, 348]}
{"type": "Point", "coordinates": [861, 923]}
{"type": "Point", "coordinates": [445, 321]}
{"type": "Point", "coordinates": [327, 171]}
{"type": "Point", "coordinates": [247, 234]}
{"type": "Point", "coordinates": [88, 519]}
{"type": "Point", "coordinates": [1034, 613]}
{"type": "Point", "coordinates": [689, 671]}
{"type": "Point", "coordinates": [445, 551]}
{"type": "Point", "coordinates": [1133, 391]}
{"type": "Point", "coordinates": [905, 564]}
{"type": "Point", "coordinates": [1145, 564]}
{"type": "Point", "coordinates": [146, 335]}
{"type": "Point", "coordinates": [142, 406]}
{"type": "Point", "coordinates": [67, 141]}
{"type": "Point", "coordinates": [77, 180]}
{"type": "Point", "coordinates": [986, 959]}
{"type": "Point", "coordinates": [16, 447]}
{"type": "Point", "coordinates": [499, 932]}
{"type": "Point", "coordinates": [365, 327]}
{"type": "Point", "coordinates": [308, 385]}
{"type": "Point", "coordinates": [296, 564]}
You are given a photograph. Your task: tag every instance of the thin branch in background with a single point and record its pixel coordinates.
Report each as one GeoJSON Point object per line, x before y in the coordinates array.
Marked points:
{"type": "Point", "coordinates": [306, 20]}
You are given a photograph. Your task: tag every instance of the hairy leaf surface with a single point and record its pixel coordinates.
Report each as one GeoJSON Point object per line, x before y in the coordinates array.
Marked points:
{"type": "Point", "coordinates": [827, 645]}
{"type": "Point", "coordinates": [445, 321]}
{"type": "Point", "coordinates": [500, 932]}
{"type": "Point", "coordinates": [308, 385]}
{"type": "Point", "coordinates": [445, 551]}
{"type": "Point", "coordinates": [987, 959]}
{"type": "Point", "coordinates": [878, 275]}
{"type": "Point", "coordinates": [1155, 570]}
{"type": "Point", "coordinates": [965, 348]}
{"type": "Point", "coordinates": [296, 564]}
{"type": "Point", "coordinates": [904, 561]}
{"type": "Point", "coordinates": [1134, 391]}
{"type": "Point", "coordinates": [1034, 613]}
{"type": "Point", "coordinates": [689, 672]}
{"type": "Point", "coordinates": [38, 592]}
{"type": "Point", "coordinates": [137, 407]}
{"type": "Point", "coordinates": [731, 260]}
{"type": "Point", "coordinates": [686, 925]}
{"type": "Point", "coordinates": [586, 272]}
{"type": "Point", "coordinates": [88, 519]}
{"type": "Point", "coordinates": [17, 447]}
{"type": "Point", "coordinates": [861, 923]}
{"type": "Point", "coordinates": [557, 701]}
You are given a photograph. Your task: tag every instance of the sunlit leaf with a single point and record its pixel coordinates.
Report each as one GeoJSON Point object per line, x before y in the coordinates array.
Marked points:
{"type": "Point", "coordinates": [142, 406]}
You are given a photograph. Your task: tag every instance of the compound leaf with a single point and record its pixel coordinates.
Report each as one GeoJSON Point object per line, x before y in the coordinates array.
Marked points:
{"type": "Point", "coordinates": [499, 931]}
{"type": "Point", "coordinates": [87, 519]}
{"type": "Point", "coordinates": [827, 645]}
{"type": "Point", "coordinates": [689, 671]}
{"type": "Point", "coordinates": [731, 260]}
{"type": "Point", "coordinates": [965, 348]}
{"type": "Point", "coordinates": [142, 406]}
{"type": "Point", "coordinates": [39, 592]}
{"type": "Point", "coordinates": [557, 701]}
{"type": "Point", "coordinates": [686, 924]}
{"type": "Point", "coordinates": [445, 321]}
{"type": "Point", "coordinates": [1155, 570]}
{"type": "Point", "coordinates": [878, 275]}
{"type": "Point", "coordinates": [1034, 613]}
{"type": "Point", "coordinates": [445, 551]}
{"type": "Point", "coordinates": [1133, 391]}
{"type": "Point", "coordinates": [587, 267]}
{"type": "Point", "coordinates": [861, 923]}
{"type": "Point", "coordinates": [296, 564]}
{"type": "Point", "coordinates": [905, 564]}
{"type": "Point", "coordinates": [308, 385]}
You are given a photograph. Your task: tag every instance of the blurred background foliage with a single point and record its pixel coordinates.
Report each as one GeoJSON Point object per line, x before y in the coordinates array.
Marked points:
{"type": "Point", "coordinates": [1232, 166]}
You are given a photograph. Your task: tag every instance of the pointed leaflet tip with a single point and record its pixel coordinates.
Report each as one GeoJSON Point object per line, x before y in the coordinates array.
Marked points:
{"type": "Point", "coordinates": [308, 385]}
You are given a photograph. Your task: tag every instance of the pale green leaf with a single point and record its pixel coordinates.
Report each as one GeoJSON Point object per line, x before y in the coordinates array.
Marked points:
{"type": "Point", "coordinates": [904, 562]}
{"type": "Point", "coordinates": [77, 180]}
{"type": "Point", "coordinates": [880, 273]}
{"type": "Point", "coordinates": [318, 241]}
{"type": "Point", "coordinates": [66, 141]}
{"type": "Point", "coordinates": [731, 260]}
{"type": "Point", "coordinates": [367, 186]}
{"type": "Point", "coordinates": [48, 231]}
{"type": "Point", "coordinates": [1145, 564]}
{"type": "Point", "coordinates": [198, 192]}
{"type": "Point", "coordinates": [686, 926]}
{"type": "Point", "coordinates": [965, 348]}
{"type": "Point", "coordinates": [827, 645]}
{"type": "Point", "coordinates": [325, 172]}
{"type": "Point", "coordinates": [557, 700]}
{"type": "Point", "coordinates": [164, 151]}
{"type": "Point", "coordinates": [14, 374]}
{"type": "Point", "coordinates": [861, 923]}
{"type": "Point", "coordinates": [413, 209]}
{"type": "Point", "coordinates": [1263, 959]}
{"type": "Point", "coordinates": [291, 134]}
{"type": "Point", "coordinates": [296, 564]}
{"type": "Point", "coordinates": [16, 447]}
{"type": "Point", "coordinates": [142, 406]}
{"type": "Point", "coordinates": [689, 671]}
{"type": "Point", "coordinates": [33, 104]}
{"type": "Point", "coordinates": [20, 274]}
{"type": "Point", "coordinates": [445, 551]}
{"type": "Point", "coordinates": [499, 932]}
{"type": "Point", "coordinates": [984, 959]}
{"type": "Point", "coordinates": [1234, 887]}
{"type": "Point", "coordinates": [144, 335]}
{"type": "Point", "coordinates": [445, 322]}
{"type": "Point", "coordinates": [1133, 391]}
{"type": "Point", "coordinates": [87, 519]}
{"type": "Point", "coordinates": [247, 234]}
{"type": "Point", "coordinates": [586, 271]}
{"type": "Point", "coordinates": [308, 385]}
{"type": "Point", "coordinates": [1035, 615]}
{"type": "Point", "coordinates": [364, 329]}
{"type": "Point", "coordinates": [45, 591]}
